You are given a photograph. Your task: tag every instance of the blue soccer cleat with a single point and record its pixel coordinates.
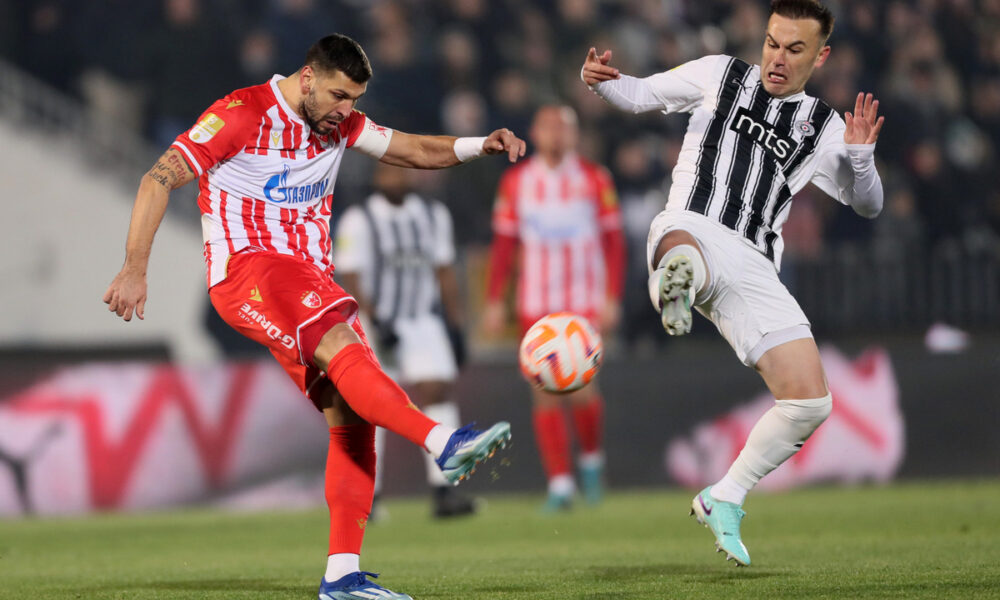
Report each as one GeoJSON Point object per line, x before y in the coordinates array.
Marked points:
{"type": "Point", "coordinates": [723, 518]}
{"type": "Point", "coordinates": [675, 295]}
{"type": "Point", "coordinates": [468, 447]}
{"type": "Point", "coordinates": [355, 586]}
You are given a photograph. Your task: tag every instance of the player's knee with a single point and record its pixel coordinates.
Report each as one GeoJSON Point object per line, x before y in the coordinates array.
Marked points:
{"type": "Point", "coordinates": [810, 413]}
{"type": "Point", "coordinates": [332, 342]}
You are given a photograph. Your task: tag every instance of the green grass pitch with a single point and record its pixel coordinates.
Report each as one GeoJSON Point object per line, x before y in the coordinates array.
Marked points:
{"type": "Point", "coordinates": [913, 540]}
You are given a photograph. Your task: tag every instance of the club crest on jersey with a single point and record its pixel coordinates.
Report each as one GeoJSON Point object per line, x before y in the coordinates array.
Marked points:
{"type": "Point", "coordinates": [206, 129]}
{"type": "Point", "coordinates": [311, 300]}
{"type": "Point", "coordinates": [779, 146]}
{"type": "Point", "coordinates": [805, 128]}
{"type": "Point", "coordinates": [278, 191]}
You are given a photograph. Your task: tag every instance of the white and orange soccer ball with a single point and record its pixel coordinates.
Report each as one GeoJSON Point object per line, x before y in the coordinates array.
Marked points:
{"type": "Point", "coordinates": [561, 353]}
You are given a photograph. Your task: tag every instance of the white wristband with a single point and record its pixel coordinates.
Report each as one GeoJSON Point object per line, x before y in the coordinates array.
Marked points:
{"type": "Point", "coordinates": [467, 148]}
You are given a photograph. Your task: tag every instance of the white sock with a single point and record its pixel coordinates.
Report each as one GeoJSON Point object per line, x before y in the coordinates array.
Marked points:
{"type": "Point", "coordinates": [380, 433]}
{"type": "Point", "coordinates": [728, 489]}
{"type": "Point", "coordinates": [338, 565]}
{"type": "Point", "coordinates": [437, 439]}
{"type": "Point", "coordinates": [697, 265]}
{"type": "Point", "coordinates": [445, 413]}
{"type": "Point", "coordinates": [562, 485]}
{"type": "Point", "coordinates": [776, 437]}
{"type": "Point", "coordinates": [591, 459]}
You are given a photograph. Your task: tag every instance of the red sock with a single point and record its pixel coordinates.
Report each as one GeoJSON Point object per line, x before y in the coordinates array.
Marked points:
{"type": "Point", "coordinates": [553, 440]}
{"type": "Point", "coordinates": [350, 485]}
{"type": "Point", "coordinates": [589, 420]}
{"type": "Point", "coordinates": [376, 398]}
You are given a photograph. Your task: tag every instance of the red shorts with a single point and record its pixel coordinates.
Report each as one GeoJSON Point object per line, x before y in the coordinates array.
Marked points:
{"type": "Point", "coordinates": [270, 298]}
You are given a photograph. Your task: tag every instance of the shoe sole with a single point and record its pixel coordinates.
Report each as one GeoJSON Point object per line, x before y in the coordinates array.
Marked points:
{"type": "Point", "coordinates": [675, 286]}
{"type": "Point", "coordinates": [498, 438]}
{"type": "Point", "coordinates": [699, 515]}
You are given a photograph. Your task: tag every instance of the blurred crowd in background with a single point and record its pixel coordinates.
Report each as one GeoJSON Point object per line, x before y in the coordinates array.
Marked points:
{"type": "Point", "coordinates": [465, 67]}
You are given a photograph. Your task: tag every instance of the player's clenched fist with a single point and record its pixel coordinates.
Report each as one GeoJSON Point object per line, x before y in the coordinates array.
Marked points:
{"type": "Point", "coordinates": [127, 293]}
{"type": "Point", "coordinates": [596, 68]}
{"type": "Point", "coordinates": [503, 140]}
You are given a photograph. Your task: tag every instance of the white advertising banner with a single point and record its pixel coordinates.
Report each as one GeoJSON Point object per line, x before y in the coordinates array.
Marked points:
{"type": "Point", "coordinates": [862, 440]}
{"type": "Point", "coordinates": [138, 436]}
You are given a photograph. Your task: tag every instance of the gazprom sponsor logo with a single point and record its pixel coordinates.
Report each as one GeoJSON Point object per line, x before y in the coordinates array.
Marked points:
{"type": "Point", "coordinates": [278, 191]}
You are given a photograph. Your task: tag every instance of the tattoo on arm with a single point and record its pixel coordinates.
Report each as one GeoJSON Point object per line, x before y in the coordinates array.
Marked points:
{"type": "Point", "coordinates": [170, 171]}
{"type": "Point", "coordinates": [163, 175]}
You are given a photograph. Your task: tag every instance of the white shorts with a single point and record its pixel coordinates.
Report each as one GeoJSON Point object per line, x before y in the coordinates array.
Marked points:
{"type": "Point", "coordinates": [423, 353]}
{"type": "Point", "coordinates": [744, 298]}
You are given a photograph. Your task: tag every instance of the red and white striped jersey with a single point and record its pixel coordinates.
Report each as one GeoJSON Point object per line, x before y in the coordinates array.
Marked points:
{"type": "Point", "coordinates": [567, 222]}
{"type": "Point", "coordinates": [265, 180]}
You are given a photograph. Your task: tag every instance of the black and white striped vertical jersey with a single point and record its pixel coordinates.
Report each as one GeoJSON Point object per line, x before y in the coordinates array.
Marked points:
{"type": "Point", "coordinates": [746, 153]}
{"type": "Point", "coordinates": [396, 250]}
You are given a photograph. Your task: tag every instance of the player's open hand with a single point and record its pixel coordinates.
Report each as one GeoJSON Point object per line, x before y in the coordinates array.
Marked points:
{"type": "Point", "coordinates": [596, 68]}
{"type": "Point", "coordinates": [864, 125]}
{"type": "Point", "coordinates": [127, 294]}
{"type": "Point", "coordinates": [504, 140]}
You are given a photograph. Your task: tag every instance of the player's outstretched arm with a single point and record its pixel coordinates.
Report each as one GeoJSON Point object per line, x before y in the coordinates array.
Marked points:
{"type": "Point", "coordinates": [439, 151]}
{"type": "Point", "coordinates": [127, 292]}
{"type": "Point", "coordinates": [850, 174]}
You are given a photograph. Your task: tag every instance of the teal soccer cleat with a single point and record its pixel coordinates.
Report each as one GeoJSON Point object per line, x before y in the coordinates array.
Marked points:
{"type": "Point", "coordinates": [723, 518]}
{"type": "Point", "coordinates": [592, 482]}
{"type": "Point", "coordinates": [468, 447]}
{"type": "Point", "coordinates": [355, 586]}
{"type": "Point", "coordinates": [675, 295]}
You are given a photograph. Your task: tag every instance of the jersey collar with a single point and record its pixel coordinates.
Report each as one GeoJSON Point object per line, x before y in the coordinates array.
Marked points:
{"type": "Point", "coordinates": [291, 114]}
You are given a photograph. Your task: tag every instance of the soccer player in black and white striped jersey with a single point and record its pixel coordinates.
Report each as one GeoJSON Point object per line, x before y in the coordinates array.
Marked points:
{"type": "Point", "coordinates": [395, 255]}
{"type": "Point", "coordinates": [754, 139]}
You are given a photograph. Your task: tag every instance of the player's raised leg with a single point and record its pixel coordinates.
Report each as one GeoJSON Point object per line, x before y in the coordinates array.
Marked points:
{"type": "Point", "coordinates": [375, 397]}
{"type": "Point", "coordinates": [678, 274]}
{"type": "Point", "coordinates": [794, 374]}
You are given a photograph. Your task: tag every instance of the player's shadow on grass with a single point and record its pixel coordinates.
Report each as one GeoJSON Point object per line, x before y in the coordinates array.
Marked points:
{"type": "Point", "coordinates": [701, 573]}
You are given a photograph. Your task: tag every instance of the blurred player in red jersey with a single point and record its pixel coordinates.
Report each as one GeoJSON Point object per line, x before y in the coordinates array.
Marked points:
{"type": "Point", "coordinates": [266, 159]}
{"type": "Point", "coordinates": [562, 212]}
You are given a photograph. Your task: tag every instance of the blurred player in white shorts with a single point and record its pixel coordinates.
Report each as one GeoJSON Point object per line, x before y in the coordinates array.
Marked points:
{"type": "Point", "coordinates": [394, 253]}
{"type": "Point", "coordinates": [754, 139]}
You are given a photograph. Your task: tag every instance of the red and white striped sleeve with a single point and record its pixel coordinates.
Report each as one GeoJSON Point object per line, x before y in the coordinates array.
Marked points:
{"type": "Point", "coordinates": [220, 132]}
{"type": "Point", "coordinates": [365, 135]}
{"type": "Point", "coordinates": [505, 217]}
{"type": "Point", "coordinates": [612, 235]}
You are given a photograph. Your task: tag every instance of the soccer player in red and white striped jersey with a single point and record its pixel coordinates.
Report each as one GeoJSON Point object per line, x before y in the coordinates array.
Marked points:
{"type": "Point", "coordinates": [561, 212]}
{"type": "Point", "coordinates": [266, 159]}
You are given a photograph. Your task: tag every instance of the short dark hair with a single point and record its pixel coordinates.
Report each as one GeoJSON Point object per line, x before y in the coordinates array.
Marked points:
{"type": "Point", "coordinates": [337, 52]}
{"type": "Point", "coordinates": [805, 9]}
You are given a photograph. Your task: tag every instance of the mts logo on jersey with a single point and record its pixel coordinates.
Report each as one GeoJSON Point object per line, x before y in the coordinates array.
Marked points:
{"type": "Point", "coordinates": [278, 191]}
{"type": "Point", "coordinates": [778, 145]}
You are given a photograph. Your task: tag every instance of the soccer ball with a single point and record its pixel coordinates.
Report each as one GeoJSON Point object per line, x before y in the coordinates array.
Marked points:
{"type": "Point", "coordinates": [560, 353]}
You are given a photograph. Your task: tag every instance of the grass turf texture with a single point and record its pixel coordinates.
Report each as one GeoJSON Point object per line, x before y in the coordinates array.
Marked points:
{"type": "Point", "coordinates": [916, 540]}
